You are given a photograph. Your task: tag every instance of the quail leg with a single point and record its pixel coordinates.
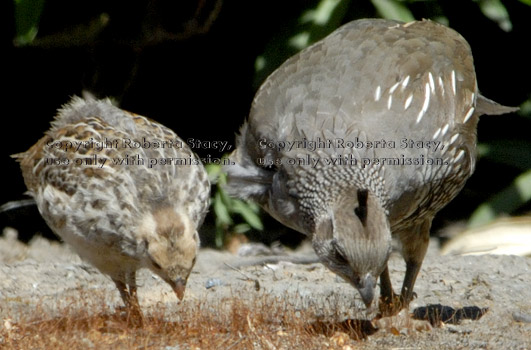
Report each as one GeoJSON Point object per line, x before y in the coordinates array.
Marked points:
{"type": "Point", "coordinates": [134, 314]}
{"type": "Point", "coordinates": [124, 292]}
{"type": "Point", "coordinates": [386, 288]}
{"type": "Point", "coordinates": [415, 244]}
{"type": "Point", "coordinates": [390, 302]}
{"type": "Point", "coordinates": [128, 294]}
{"type": "Point", "coordinates": [133, 300]}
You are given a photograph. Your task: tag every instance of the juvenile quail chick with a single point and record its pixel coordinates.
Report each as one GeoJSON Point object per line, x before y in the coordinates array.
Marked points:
{"type": "Point", "coordinates": [94, 179]}
{"type": "Point", "coordinates": [366, 134]}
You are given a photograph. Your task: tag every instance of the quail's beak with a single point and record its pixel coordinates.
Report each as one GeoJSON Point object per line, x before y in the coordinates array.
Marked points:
{"type": "Point", "coordinates": [366, 286]}
{"type": "Point", "coordinates": [178, 287]}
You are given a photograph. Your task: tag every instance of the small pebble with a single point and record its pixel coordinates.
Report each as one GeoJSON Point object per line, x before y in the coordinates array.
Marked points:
{"type": "Point", "coordinates": [521, 317]}
{"type": "Point", "coordinates": [87, 343]}
{"type": "Point", "coordinates": [176, 347]}
{"type": "Point", "coordinates": [213, 282]}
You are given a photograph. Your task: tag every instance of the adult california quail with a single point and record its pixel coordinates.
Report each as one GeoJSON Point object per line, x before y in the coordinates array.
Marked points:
{"type": "Point", "coordinates": [124, 191]}
{"type": "Point", "coordinates": [367, 133]}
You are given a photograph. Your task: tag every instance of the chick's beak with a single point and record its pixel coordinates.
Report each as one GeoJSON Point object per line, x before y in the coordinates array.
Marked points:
{"type": "Point", "coordinates": [366, 287]}
{"type": "Point", "coordinates": [178, 287]}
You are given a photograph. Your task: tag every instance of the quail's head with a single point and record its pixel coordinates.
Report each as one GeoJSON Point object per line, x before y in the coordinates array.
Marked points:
{"type": "Point", "coordinates": [354, 241]}
{"type": "Point", "coordinates": [171, 248]}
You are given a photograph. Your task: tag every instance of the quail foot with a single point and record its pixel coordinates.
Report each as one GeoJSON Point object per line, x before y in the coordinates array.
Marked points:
{"type": "Point", "coordinates": [363, 136]}
{"type": "Point", "coordinates": [123, 190]}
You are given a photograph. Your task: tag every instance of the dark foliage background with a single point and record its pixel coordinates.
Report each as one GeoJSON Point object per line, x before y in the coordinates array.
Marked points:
{"type": "Point", "coordinates": [192, 66]}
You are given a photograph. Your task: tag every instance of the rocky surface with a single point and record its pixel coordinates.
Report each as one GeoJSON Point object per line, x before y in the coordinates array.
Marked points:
{"type": "Point", "coordinates": [48, 275]}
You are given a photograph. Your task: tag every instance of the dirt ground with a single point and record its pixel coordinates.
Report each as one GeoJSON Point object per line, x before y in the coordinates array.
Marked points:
{"type": "Point", "coordinates": [47, 275]}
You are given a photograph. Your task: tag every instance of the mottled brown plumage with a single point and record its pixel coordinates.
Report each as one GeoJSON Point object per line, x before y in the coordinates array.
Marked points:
{"type": "Point", "coordinates": [364, 135]}
{"type": "Point", "coordinates": [95, 183]}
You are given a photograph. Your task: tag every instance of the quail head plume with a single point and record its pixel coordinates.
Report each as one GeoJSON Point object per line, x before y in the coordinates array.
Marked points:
{"type": "Point", "coordinates": [94, 179]}
{"type": "Point", "coordinates": [362, 136]}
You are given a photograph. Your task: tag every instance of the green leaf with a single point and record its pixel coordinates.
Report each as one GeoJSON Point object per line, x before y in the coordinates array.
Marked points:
{"type": "Point", "coordinates": [220, 237]}
{"type": "Point", "coordinates": [300, 41]}
{"type": "Point", "coordinates": [315, 22]}
{"type": "Point", "coordinates": [241, 228]}
{"type": "Point", "coordinates": [525, 108]}
{"type": "Point", "coordinates": [254, 207]}
{"type": "Point", "coordinates": [322, 14]}
{"type": "Point", "coordinates": [393, 9]}
{"type": "Point", "coordinates": [506, 201]}
{"type": "Point", "coordinates": [214, 171]}
{"type": "Point", "coordinates": [248, 214]}
{"type": "Point", "coordinates": [527, 2]}
{"type": "Point", "coordinates": [442, 20]}
{"type": "Point", "coordinates": [225, 198]}
{"type": "Point", "coordinates": [220, 210]}
{"type": "Point", "coordinates": [27, 18]}
{"type": "Point", "coordinates": [496, 11]}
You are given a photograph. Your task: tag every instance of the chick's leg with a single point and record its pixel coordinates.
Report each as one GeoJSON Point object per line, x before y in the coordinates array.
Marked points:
{"type": "Point", "coordinates": [129, 296]}
{"type": "Point", "coordinates": [128, 291]}
{"type": "Point", "coordinates": [124, 291]}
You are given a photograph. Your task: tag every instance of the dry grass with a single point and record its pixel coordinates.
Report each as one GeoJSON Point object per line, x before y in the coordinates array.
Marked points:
{"type": "Point", "coordinates": [264, 323]}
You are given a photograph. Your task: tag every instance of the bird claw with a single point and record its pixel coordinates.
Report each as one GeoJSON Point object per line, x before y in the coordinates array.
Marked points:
{"type": "Point", "coordinates": [131, 314]}
{"type": "Point", "coordinates": [392, 306]}
{"type": "Point", "coordinates": [134, 317]}
{"type": "Point", "coordinates": [389, 306]}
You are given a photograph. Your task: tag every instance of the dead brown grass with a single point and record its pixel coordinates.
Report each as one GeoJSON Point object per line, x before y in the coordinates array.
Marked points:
{"type": "Point", "coordinates": [263, 323]}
